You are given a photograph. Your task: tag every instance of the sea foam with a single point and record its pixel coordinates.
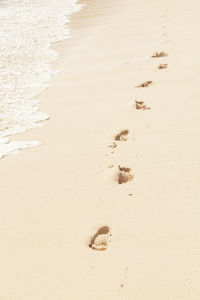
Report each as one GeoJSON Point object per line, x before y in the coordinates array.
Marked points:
{"type": "Point", "coordinates": [27, 30]}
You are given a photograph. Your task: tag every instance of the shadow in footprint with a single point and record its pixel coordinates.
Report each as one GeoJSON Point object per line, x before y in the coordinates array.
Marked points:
{"type": "Point", "coordinates": [114, 145]}
{"type": "Point", "coordinates": [122, 136]}
{"type": "Point", "coordinates": [162, 66]}
{"type": "Point", "coordinates": [124, 175]}
{"type": "Point", "coordinates": [140, 105]}
{"type": "Point", "coordinates": [100, 240]}
{"type": "Point", "coordinates": [159, 54]}
{"type": "Point", "coordinates": [144, 84]}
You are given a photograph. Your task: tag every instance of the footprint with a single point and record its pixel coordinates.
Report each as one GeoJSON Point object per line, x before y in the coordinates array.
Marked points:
{"type": "Point", "coordinates": [159, 54]}
{"type": "Point", "coordinates": [124, 175]}
{"type": "Point", "coordinates": [162, 66]}
{"type": "Point", "coordinates": [114, 145]}
{"type": "Point", "coordinates": [144, 84]}
{"type": "Point", "coordinates": [100, 240]}
{"type": "Point", "coordinates": [141, 105]}
{"type": "Point", "coordinates": [122, 136]}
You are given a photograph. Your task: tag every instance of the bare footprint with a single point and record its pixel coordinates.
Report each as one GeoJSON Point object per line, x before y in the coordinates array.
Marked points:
{"type": "Point", "coordinates": [100, 240]}
{"type": "Point", "coordinates": [141, 105]}
{"type": "Point", "coordinates": [162, 66]}
{"type": "Point", "coordinates": [114, 145]}
{"type": "Point", "coordinates": [144, 84]}
{"type": "Point", "coordinates": [124, 175]}
{"type": "Point", "coordinates": [159, 54]}
{"type": "Point", "coordinates": [122, 136]}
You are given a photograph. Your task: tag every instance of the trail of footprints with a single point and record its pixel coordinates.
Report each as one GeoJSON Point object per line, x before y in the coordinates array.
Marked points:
{"type": "Point", "coordinates": [101, 239]}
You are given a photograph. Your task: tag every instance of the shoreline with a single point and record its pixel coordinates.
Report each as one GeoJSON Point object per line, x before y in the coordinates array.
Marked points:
{"type": "Point", "coordinates": [34, 74]}
{"type": "Point", "coordinates": [56, 196]}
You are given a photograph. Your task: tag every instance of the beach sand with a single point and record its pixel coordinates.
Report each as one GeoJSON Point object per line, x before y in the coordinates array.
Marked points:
{"type": "Point", "coordinates": [55, 197]}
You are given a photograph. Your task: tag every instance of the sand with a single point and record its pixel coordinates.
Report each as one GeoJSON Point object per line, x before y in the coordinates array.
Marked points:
{"type": "Point", "coordinates": [55, 197]}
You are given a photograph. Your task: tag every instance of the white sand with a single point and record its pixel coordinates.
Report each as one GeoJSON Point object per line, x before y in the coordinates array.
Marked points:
{"type": "Point", "coordinates": [55, 197]}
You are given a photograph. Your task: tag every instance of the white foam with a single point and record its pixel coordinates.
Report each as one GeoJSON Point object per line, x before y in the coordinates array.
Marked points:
{"type": "Point", "coordinates": [12, 147]}
{"type": "Point", "coordinates": [27, 29]}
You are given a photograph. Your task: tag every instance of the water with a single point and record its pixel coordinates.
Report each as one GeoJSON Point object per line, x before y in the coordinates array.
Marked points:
{"type": "Point", "coordinates": [27, 30]}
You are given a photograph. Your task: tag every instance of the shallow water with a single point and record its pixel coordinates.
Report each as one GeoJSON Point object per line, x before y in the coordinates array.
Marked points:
{"type": "Point", "coordinates": [27, 29]}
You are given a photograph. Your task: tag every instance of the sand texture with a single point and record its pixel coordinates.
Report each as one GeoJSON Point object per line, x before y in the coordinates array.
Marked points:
{"type": "Point", "coordinates": [69, 230]}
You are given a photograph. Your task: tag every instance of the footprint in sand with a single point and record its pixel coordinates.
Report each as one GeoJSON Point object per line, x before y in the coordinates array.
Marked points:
{"type": "Point", "coordinates": [140, 105]}
{"type": "Point", "coordinates": [124, 175]}
{"type": "Point", "coordinates": [144, 84]}
{"type": "Point", "coordinates": [122, 136]}
{"type": "Point", "coordinates": [114, 145]}
{"type": "Point", "coordinates": [100, 240]}
{"type": "Point", "coordinates": [162, 66]}
{"type": "Point", "coordinates": [159, 54]}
